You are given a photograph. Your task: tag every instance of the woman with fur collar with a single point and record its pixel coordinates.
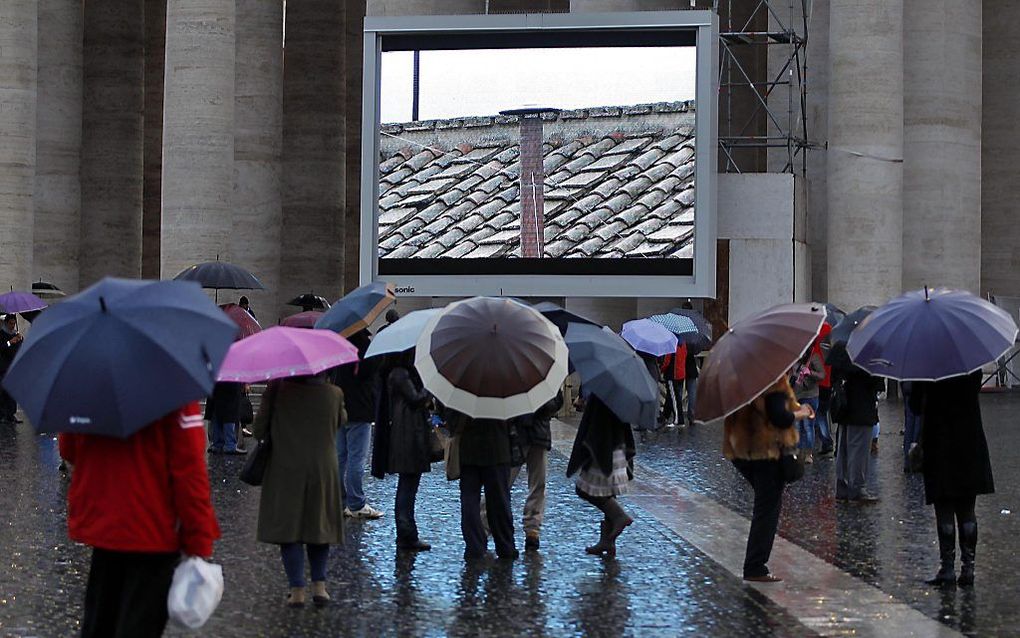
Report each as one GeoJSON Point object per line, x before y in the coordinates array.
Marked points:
{"type": "Point", "coordinates": [754, 438]}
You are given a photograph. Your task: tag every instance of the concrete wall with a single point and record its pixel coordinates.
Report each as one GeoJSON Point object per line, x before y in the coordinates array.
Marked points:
{"type": "Point", "coordinates": [865, 170]}
{"type": "Point", "coordinates": [258, 138]}
{"type": "Point", "coordinates": [767, 266]}
{"type": "Point", "coordinates": [112, 140]}
{"type": "Point", "coordinates": [817, 115]}
{"type": "Point", "coordinates": [1000, 149]}
{"type": "Point", "coordinates": [18, 64]}
{"type": "Point", "coordinates": [57, 197]}
{"type": "Point", "coordinates": [942, 144]}
{"type": "Point", "coordinates": [423, 7]}
{"type": "Point", "coordinates": [198, 134]}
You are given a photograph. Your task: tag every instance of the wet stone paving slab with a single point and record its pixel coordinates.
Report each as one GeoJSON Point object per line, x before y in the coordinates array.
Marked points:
{"type": "Point", "coordinates": [659, 585]}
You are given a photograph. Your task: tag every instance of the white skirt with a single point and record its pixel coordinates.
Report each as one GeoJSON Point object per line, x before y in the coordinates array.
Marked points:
{"type": "Point", "coordinates": [593, 482]}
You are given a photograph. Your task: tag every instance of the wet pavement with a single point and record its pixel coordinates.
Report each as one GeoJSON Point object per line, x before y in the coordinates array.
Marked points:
{"type": "Point", "coordinates": [660, 584]}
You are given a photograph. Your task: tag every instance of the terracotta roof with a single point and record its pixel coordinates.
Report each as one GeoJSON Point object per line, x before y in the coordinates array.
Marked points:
{"type": "Point", "coordinates": [619, 183]}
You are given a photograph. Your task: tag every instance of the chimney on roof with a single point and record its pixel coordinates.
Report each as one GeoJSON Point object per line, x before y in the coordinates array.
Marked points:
{"type": "Point", "coordinates": [532, 180]}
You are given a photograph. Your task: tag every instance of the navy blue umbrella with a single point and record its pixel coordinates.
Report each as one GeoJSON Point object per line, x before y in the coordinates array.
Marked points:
{"type": "Point", "coordinates": [220, 275]}
{"type": "Point", "coordinates": [930, 335]}
{"type": "Point", "coordinates": [119, 355]}
{"type": "Point", "coordinates": [611, 370]}
{"type": "Point", "coordinates": [357, 309]}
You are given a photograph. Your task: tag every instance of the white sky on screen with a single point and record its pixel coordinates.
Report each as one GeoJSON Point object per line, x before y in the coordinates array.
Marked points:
{"type": "Point", "coordinates": [483, 82]}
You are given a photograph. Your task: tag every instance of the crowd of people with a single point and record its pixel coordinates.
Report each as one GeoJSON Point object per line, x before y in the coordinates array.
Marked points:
{"type": "Point", "coordinates": [326, 428]}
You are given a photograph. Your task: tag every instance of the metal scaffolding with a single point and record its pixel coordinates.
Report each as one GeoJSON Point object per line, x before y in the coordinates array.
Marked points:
{"type": "Point", "coordinates": [754, 116]}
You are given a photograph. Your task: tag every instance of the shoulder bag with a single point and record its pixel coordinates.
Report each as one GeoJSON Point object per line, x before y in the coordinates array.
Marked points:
{"type": "Point", "coordinates": [258, 459]}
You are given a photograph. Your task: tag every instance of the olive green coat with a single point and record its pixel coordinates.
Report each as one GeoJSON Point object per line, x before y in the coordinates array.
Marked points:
{"type": "Point", "coordinates": [301, 499]}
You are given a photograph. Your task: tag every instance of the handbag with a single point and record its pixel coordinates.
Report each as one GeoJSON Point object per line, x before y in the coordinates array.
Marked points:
{"type": "Point", "coordinates": [792, 463]}
{"type": "Point", "coordinates": [439, 440]}
{"type": "Point", "coordinates": [254, 469]}
{"type": "Point", "coordinates": [452, 458]}
{"type": "Point", "coordinates": [838, 403]}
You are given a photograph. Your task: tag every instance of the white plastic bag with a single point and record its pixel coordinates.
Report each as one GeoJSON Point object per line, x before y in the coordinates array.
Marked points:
{"type": "Point", "coordinates": [195, 592]}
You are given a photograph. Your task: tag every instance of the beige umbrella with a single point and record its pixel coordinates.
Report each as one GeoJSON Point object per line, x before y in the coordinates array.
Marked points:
{"type": "Point", "coordinates": [491, 358]}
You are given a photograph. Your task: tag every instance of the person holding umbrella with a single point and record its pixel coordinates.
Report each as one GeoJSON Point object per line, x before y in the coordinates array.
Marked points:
{"type": "Point", "coordinates": [603, 461]}
{"type": "Point", "coordinates": [808, 374]}
{"type": "Point", "coordinates": [124, 403]}
{"type": "Point", "coordinates": [401, 444]}
{"type": "Point", "coordinates": [10, 343]}
{"type": "Point", "coordinates": [746, 382]}
{"type": "Point", "coordinates": [940, 339]}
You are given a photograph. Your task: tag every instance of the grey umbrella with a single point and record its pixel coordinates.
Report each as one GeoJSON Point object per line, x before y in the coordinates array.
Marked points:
{"type": "Point", "coordinates": [611, 370]}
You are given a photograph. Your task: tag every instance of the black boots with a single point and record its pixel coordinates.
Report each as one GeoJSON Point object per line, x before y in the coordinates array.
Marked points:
{"type": "Point", "coordinates": [605, 545]}
{"type": "Point", "coordinates": [968, 548]}
{"type": "Point", "coordinates": [947, 556]}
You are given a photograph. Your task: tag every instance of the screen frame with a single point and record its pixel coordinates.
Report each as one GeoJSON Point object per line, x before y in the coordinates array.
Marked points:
{"type": "Point", "coordinates": [702, 283]}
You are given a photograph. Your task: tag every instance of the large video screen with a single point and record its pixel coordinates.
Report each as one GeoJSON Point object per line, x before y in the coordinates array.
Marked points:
{"type": "Point", "coordinates": [537, 153]}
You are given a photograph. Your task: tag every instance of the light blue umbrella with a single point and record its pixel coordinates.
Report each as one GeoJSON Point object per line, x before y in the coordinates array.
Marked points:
{"type": "Point", "coordinates": [677, 324]}
{"type": "Point", "coordinates": [930, 335]}
{"type": "Point", "coordinates": [402, 334]}
{"type": "Point", "coordinates": [647, 336]}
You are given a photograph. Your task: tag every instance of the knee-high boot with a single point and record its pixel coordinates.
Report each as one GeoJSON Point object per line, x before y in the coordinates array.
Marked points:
{"type": "Point", "coordinates": [947, 555]}
{"type": "Point", "coordinates": [968, 549]}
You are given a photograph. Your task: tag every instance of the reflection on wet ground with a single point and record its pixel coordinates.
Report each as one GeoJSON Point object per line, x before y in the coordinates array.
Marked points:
{"type": "Point", "coordinates": [658, 585]}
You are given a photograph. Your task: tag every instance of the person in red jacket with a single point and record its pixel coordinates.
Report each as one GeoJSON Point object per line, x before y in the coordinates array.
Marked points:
{"type": "Point", "coordinates": [140, 502]}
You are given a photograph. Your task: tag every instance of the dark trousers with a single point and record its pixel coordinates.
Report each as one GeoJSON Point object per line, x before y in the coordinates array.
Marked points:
{"type": "Point", "coordinates": [293, 556]}
{"type": "Point", "coordinates": [766, 477]}
{"type": "Point", "coordinates": [126, 594]}
{"type": "Point", "coordinates": [403, 508]}
{"type": "Point", "coordinates": [496, 482]}
{"type": "Point", "coordinates": [8, 406]}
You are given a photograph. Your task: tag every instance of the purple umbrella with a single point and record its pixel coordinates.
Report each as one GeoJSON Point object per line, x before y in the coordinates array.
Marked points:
{"type": "Point", "coordinates": [281, 352]}
{"type": "Point", "coordinates": [647, 336]}
{"type": "Point", "coordinates": [930, 335]}
{"type": "Point", "coordinates": [18, 302]}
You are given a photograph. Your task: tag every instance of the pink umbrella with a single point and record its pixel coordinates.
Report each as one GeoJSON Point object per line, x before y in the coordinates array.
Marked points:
{"type": "Point", "coordinates": [280, 352]}
{"type": "Point", "coordinates": [305, 319]}
{"type": "Point", "coordinates": [248, 324]}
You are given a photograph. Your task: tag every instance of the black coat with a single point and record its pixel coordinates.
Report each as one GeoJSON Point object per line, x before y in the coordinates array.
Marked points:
{"type": "Point", "coordinates": [536, 429]}
{"type": "Point", "coordinates": [861, 396]}
{"type": "Point", "coordinates": [483, 442]}
{"type": "Point", "coordinates": [7, 352]}
{"type": "Point", "coordinates": [599, 434]}
{"type": "Point", "coordinates": [401, 444]}
{"type": "Point", "coordinates": [956, 463]}
{"type": "Point", "coordinates": [225, 403]}
{"type": "Point", "coordinates": [360, 383]}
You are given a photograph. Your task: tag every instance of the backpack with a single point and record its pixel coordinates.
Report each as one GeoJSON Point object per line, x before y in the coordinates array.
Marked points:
{"type": "Point", "coordinates": [838, 404]}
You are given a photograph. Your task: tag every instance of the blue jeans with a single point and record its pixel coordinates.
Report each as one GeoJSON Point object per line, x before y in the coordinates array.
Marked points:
{"type": "Point", "coordinates": [224, 435]}
{"type": "Point", "coordinates": [293, 555]}
{"type": "Point", "coordinates": [352, 443]}
{"type": "Point", "coordinates": [822, 424]}
{"type": "Point", "coordinates": [807, 426]}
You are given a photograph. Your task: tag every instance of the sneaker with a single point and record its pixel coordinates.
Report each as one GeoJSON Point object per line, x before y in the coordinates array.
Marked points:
{"type": "Point", "coordinates": [366, 512]}
{"type": "Point", "coordinates": [809, 458]}
{"type": "Point", "coordinates": [866, 499]}
{"type": "Point", "coordinates": [214, 450]}
{"type": "Point", "coordinates": [237, 451]}
{"type": "Point", "coordinates": [874, 446]}
{"type": "Point", "coordinates": [826, 453]}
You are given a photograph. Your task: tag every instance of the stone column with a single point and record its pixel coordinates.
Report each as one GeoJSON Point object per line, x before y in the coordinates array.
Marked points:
{"type": "Point", "coordinates": [18, 64]}
{"type": "Point", "coordinates": [112, 140]}
{"type": "Point", "coordinates": [58, 144]}
{"type": "Point", "coordinates": [198, 134]}
{"type": "Point", "coordinates": [354, 24]}
{"type": "Point", "coordinates": [817, 80]}
{"type": "Point", "coordinates": [942, 144]}
{"type": "Point", "coordinates": [865, 169]}
{"type": "Point", "coordinates": [152, 155]}
{"type": "Point", "coordinates": [314, 88]}
{"type": "Point", "coordinates": [1000, 149]}
{"type": "Point", "coordinates": [258, 137]}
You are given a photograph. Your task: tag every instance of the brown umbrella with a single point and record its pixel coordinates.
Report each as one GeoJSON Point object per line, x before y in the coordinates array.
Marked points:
{"type": "Point", "coordinates": [491, 358]}
{"type": "Point", "coordinates": [753, 355]}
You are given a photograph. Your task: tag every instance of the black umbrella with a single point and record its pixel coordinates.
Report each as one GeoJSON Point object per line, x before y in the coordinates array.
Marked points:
{"type": "Point", "coordinates": [308, 301]}
{"type": "Point", "coordinates": [47, 290]}
{"type": "Point", "coordinates": [220, 275]}
{"type": "Point", "coordinates": [611, 370]}
{"type": "Point", "coordinates": [560, 316]}
{"type": "Point", "coordinates": [841, 331]}
{"type": "Point", "coordinates": [833, 314]}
